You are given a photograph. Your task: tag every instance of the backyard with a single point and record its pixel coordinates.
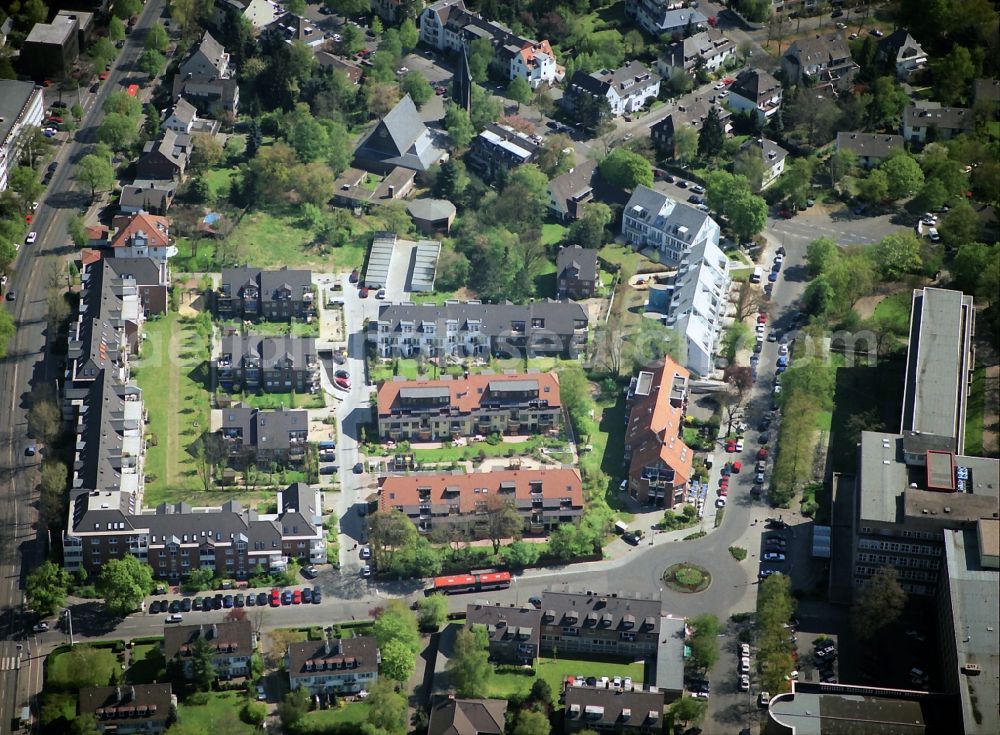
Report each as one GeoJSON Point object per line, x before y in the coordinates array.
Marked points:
{"type": "Point", "coordinates": [83, 665]}
{"type": "Point", "coordinates": [220, 714]}
{"type": "Point", "coordinates": [147, 664]}
{"type": "Point", "coordinates": [511, 681]}
{"type": "Point", "coordinates": [317, 722]}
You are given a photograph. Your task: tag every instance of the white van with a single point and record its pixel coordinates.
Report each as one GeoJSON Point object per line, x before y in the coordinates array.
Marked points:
{"type": "Point", "coordinates": [758, 275]}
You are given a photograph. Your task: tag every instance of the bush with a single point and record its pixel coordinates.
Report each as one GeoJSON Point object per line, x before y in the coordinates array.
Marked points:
{"type": "Point", "coordinates": [254, 713]}
{"type": "Point", "coordinates": [738, 552]}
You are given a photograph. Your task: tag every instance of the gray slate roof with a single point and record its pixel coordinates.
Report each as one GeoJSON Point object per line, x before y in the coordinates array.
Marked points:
{"type": "Point", "coordinates": [14, 97]}
{"type": "Point", "coordinates": [265, 429]}
{"type": "Point", "coordinates": [148, 194]}
{"type": "Point", "coordinates": [401, 139]}
{"type": "Point", "coordinates": [949, 118]}
{"type": "Point", "coordinates": [268, 351]}
{"type": "Point", "coordinates": [656, 210]}
{"type": "Point", "coordinates": [451, 716]}
{"type": "Point", "coordinates": [560, 317]}
{"type": "Point", "coordinates": [870, 145]}
{"type": "Point", "coordinates": [755, 85]}
{"type": "Point", "coordinates": [581, 259]}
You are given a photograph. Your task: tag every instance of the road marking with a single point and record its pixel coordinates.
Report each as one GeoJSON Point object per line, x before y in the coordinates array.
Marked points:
{"type": "Point", "coordinates": [8, 663]}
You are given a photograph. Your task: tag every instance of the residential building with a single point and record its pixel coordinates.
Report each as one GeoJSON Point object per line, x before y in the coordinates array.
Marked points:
{"type": "Point", "coordinates": [692, 302]}
{"type": "Point", "coordinates": [571, 192]}
{"type": "Point", "coordinates": [51, 49]}
{"type": "Point", "coordinates": [268, 295]}
{"type": "Point", "coordinates": [361, 190]}
{"type": "Point", "coordinates": [927, 122]}
{"type": "Point", "coordinates": [513, 632]}
{"type": "Point", "coordinates": [333, 665]}
{"type": "Point", "coordinates": [181, 117]}
{"type": "Point", "coordinates": [576, 272]}
{"type": "Point", "coordinates": [606, 625]}
{"type": "Point", "coordinates": [231, 644]}
{"type": "Point", "coordinates": [348, 67]}
{"type": "Point", "coordinates": [670, 228]}
{"type": "Point", "coordinates": [142, 235]}
{"type": "Point", "coordinates": [269, 364]}
{"type": "Point", "coordinates": [292, 28]}
{"type": "Point", "coordinates": [967, 620]}
{"type": "Point", "coordinates": [500, 148]}
{"type": "Point", "coordinates": [147, 195]}
{"type": "Point", "coordinates": [772, 155]}
{"type": "Point", "coordinates": [259, 13]}
{"type": "Point", "coordinates": [545, 499]}
{"type": "Point", "coordinates": [387, 10]}
{"type": "Point", "coordinates": [165, 158]}
{"type": "Point", "coordinates": [206, 78]}
{"type": "Point", "coordinates": [430, 410]}
{"type": "Point", "coordinates": [399, 139]}
{"type": "Point", "coordinates": [689, 113]}
{"type": "Point", "coordinates": [21, 108]}
{"type": "Point", "coordinates": [899, 52]}
{"type": "Point", "coordinates": [710, 48]}
{"type": "Point", "coordinates": [151, 278]}
{"type": "Point", "coordinates": [756, 91]}
{"type": "Point", "coordinates": [432, 216]}
{"type": "Point", "coordinates": [613, 710]}
{"type": "Point", "coordinates": [659, 462]}
{"type": "Point", "coordinates": [870, 148]}
{"type": "Point", "coordinates": [452, 716]}
{"type": "Point", "coordinates": [175, 539]}
{"type": "Point", "coordinates": [536, 64]}
{"type": "Point", "coordinates": [84, 23]}
{"type": "Point", "coordinates": [824, 60]}
{"type": "Point", "coordinates": [474, 329]}
{"type": "Point", "coordinates": [135, 709]}
{"type": "Point", "coordinates": [264, 436]}
{"type": "Point", "coordinates": [661, 17]}
{"type": "Point", "coordinates": [627, 89]}
{"type": "Point", "coordinates": [433, 19]}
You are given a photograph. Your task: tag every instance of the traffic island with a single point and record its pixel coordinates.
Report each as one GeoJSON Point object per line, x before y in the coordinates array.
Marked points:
{"type": "Point", "coordinates": [687, 577]}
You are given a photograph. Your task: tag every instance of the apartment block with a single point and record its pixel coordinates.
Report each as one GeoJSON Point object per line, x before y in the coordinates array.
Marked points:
{"type": "Point", "coordinates": [823, 60]}
{"type": "Point", "coordinates": [626, 89]}
{"type": "Point", "coordinates": [602, 625]}
{"type": "Point", "coordinates": [545, 499]}
{"type": "Point", "coordinates": [137, 709]}
{"type": "Point", "coordinates": [432, 410]}
{"type": "Point", "coordinates": [474, 329]}
{"type": "Point", "coordinates": [21, 108]}
{"type": "Point", "coordinates": [711, 47]}
{"type": "Point", "coordinates": [269, 364]}
{"type": "Point", "coordinates": [632, 711]}
{"type": "Point", "coordinates": [670, 228]}
{"type": "Point", "coordinates": [513, 632]}
{"type": "Point", "coordinates": [333, 665]}
{"type": "Point", "coordinates": [274, 296]}
{"type": "Point", "coordinates": [499, 148]}
{"type": "Point", "coordinates": [261, 435]}
{"type": "Point", "coordinates": [659, 17]}
{"type": "Point", "coordinates": [231, 645]}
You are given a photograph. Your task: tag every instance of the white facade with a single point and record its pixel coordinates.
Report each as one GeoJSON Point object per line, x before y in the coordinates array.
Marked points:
{"type": "Point", "coordinates": [654, 220]}
{"type": "Point", "coordinates": [17, 117]}
{"type": "Point", "coordinates": [633, 96]}
{"type": "Point", "coordinates": [535, 66]}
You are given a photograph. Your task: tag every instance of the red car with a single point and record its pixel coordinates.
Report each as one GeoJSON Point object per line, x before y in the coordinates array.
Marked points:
{"type": "Point", "coordinates": [55, 119]}
{"type": "Point", "coordinates": [344, 383]}
{"type": "Point", "coordinates": [102, 76]}
{"type": "Point", "coordinates": [762, 318]}
{"type": "Point", "coordinates": [737, 466]}
{"type": "Point", "coordinates": [762, 453]}
{"type": "Point", "coordinates": [297, 597]}
{"type": "Point", "coordinates": [731, 446]}
{"type": "Point", "coordinates": [723, 492]}
{"type": "Point", "coordinates": [363, 293]}
{"type": "Point", "coordinates": [275, 598]}
{"type": "Point", "coordinates": [785, 214]}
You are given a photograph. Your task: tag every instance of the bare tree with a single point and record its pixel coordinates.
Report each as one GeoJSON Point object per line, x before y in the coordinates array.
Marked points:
{"type": "Point", "coordinates": [502, 520]}
{"type": "Point", "coordinates": [749, 302]}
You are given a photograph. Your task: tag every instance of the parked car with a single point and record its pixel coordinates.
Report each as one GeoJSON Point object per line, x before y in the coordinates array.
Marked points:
{"type": "Point", "coordinates": [310, 572]}
{"type": "Point", "coordinates": [745, 683]}
{"type": "Point", "coordinates": [40, 627]}
{"type": "Point", "coordinates": [366, 571]}
{"type": "Point", "coordinates": [774, 556]}
{"type": "Point", "coordinates": [317, 595]}
{"type": "Point", "coordinates": [175, 618]}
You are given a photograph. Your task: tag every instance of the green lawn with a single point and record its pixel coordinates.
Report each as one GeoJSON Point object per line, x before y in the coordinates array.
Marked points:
{"type": "Point", "coordinates": [545, 280]}
{"type": "Point", "coordinates": [975, 412]}
{"type": "Point", "coordinates": [287, 400]}
{"type": "Point", "coordinates": [509, 682]}
{"type": "Point", "coordinates": [173, 374]}
{"type": "Point", "coordinates": [454, 454]}
{"type": "Point", "coordinates": [895, 308]}
{"type": "Point", "coordinates": [147, 664]}
{"type": "Point", "coordinates": [295, 328]}
{"type": "Point", "coordinates": [220, 715]}
{"type": "Point", "coordinates": [553, 233]}
{"type": "Point", "coordinates": [627, 258]}
{"type": "Point", "coordinates": [409, 367]}
{"type": "Point", "coordinates": [219, 179]}
{"type": "Point", "coordinates": [316, 723]}
{"type": "Point", "coordinates": [63, 667]}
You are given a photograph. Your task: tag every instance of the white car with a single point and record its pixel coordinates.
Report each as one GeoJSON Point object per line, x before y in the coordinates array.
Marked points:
{"type": "Point", "coordinates": [720, 503]}
{"type": "Point", "coordinates": [261, 693]}
{"type": "Point", "coordinates": [40, 628]}
{"type": "Point", "coordinates": [366, 571]}
{"type": "Point", "coordinates": [175, 618]}
{"type": "Point", "coordinates": [30, 239]}
{"type": "Point", "coordinates": [929, 218]}
{"type": "Point", "coordinates": [739, 445]}
{"type": "Point", "coordinates": [783, 350]}
{"type": "Point", "coordinates": [777, 389]}
{"type": "Point", "coordinates": [744, 649]}
{"type": "Point", "coordinates": [402, 70]}
{"type": "Point", "coordinates": [719, 85]}
{"type": "Point", "coordinates": [745, 665]}
{"type": "Point", "coordinates": [745, 683]}
{"type": "Point", "coordinates": [723, 93]}
{"type": "Point", "coordinates": [932, 233]}
{"type": "Point", "coordinates": [773, 556]}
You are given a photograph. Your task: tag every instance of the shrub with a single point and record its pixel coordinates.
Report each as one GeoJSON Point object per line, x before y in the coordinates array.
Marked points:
{"type": "Point", "coordinates": [738, 552]}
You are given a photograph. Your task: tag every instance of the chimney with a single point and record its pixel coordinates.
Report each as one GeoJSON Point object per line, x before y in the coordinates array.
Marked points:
{"type": "Point", "coordinates": [131, 694]}
{"type": "Point", "coordinates": [392, 191]}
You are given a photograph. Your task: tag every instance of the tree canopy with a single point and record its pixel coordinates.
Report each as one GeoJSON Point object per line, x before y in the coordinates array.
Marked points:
{"type": "Point", "coordinates": [626, 169]}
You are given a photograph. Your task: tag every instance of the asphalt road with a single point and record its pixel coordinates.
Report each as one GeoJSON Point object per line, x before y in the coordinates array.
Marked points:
{"type": "Point", "coordinates": [23, 544]}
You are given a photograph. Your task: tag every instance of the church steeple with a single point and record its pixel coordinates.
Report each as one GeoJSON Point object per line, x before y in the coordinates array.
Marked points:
{"type": "Point", "coordinates": [462, 85]}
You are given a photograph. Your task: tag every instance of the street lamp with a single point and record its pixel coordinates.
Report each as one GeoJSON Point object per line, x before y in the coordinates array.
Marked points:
{"type": "Point", "coordinates": [69, 622]}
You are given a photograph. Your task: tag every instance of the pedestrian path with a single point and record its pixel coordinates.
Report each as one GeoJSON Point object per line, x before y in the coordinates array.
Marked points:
{"type": "Point", "coordinates": [8, 663]}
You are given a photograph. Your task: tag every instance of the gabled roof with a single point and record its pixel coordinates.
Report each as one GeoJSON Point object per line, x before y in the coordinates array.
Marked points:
{"type": "Point", "coordinates": [208, 51]}
{"type": "Point", "coordinates": [583, 260]}
{"type": "Point", "coordinates": [870, 145]}
{"type": "Point", "coordinates": [233, 638]}
{"type": "Point", "coordinates": [708, 43]}
{"type": "Point", "coordinates": [623, 80]}
{"type": "Point", "coordinates": [132, 706]}
{"type": "Point", "coordinates": [468, 717]}
{"type": "Point", "coordinates": [898, 44]}
{"type": "Point", "coordinates": [327, 60]}
{"type": "Point", "coordinates": [148, 194]}
{"type": "Point", "coordinates": [947, 118]}
{"type": "Point", "coordinates": [172, 146]}
{"type": "Point", "coordinates": [819, 50]}
{"type": "Point", "coordinates": [401, 139]}
{"type": "Point", "coordinates": [755, 85]}
{"type": "Point", "coordinates": [183, 111]}
{"type": "Point", "coordinates": [347, 655]}
{"type": "Point", "coordinates": [155, 229]}
{"type": "Point", "coordinates": [467, 394]}
{"type": "Point", "coordinates": [661, 211]}
{"type": "Point", "coordinates": [656, 422]}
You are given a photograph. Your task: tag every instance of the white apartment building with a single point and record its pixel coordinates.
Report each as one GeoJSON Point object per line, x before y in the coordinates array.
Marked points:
{"type": "Point", "coordinates": [21, 107]}
{"type": "Point", "coordinates": [536, 64]}
{"type": "Point", "coordinates": [654, 220]}
{"type": "Point", "coordinates": [627, 89]}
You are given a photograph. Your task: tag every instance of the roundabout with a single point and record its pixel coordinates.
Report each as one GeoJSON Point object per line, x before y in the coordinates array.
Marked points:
{"type": "Point", "coordinates": [687, 578]}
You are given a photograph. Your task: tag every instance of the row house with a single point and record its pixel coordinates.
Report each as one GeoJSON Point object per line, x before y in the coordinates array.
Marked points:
{"type": "Point", "coordinates": [474, 329]}
{"type": "Point", "coordinates": [479, 405]}
{"type": "Point", "coordinates": [231, 644]}
{"type": "Point", "coordinates": [659, 462]}
{"type": "Point", "coordinates": [513, 632]}
{"type": "Point", "coordinates": [929, 122]}
{"type": "Point", "coordinates": [627, 89]}
{"type": "Point", "coordinates": [271, 295]}
{"type": "Point", "coordinates": [710, 49]}
{"type": "Point", "coordinates": [333, 665]}
{"type": "Point", "coordinates": [263, 436]}
{"type": "Point", "coordinates": [672, 229]}
{"type": "Point", "coordinates": [601, 709]}
{"type": "Point", "coordinates": [134, 709]}
{"type": "Point", "coordinates": [756, 92]}
{"type": "Point", "coordinates": [823, 60]}
{"type": "Point", "coordinates": [499, 148]}
{"type": "Point", "coordinates": [270, 364]}
{"type": "Point", "coordinates": [665, 17]}
{"type": "Point", "coordinates": [604, 625]}
{"type": "Point", "coordinates": [545, 499]}
{"type": "Point", "coordinates": [174, 540]}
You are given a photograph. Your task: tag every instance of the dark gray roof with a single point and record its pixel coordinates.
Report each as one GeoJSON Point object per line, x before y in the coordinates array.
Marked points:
{"type": "Point", "coordinates": [359, 655]}
{"type": "Point", "coordinates": [14, 98]}
{"type": "Point", "coordinates": [770, 151]}
{"type": "Point", "coordinates": [707, 44]}
{"type": "Point", "coordinates": [755, 85]}
{"type": "Point", "coordinates": [621, 79]}
{"type": "Point", "coordinates": [267, 351]}
{"type": "Point", "coordinates": [148, 194]}
{"type": "Point", "coordinates": [507, 624]}
{"type": "Point", "coordinates": [583, 260]}
{"type": "Point", "coordinates": [870, 145]}
{"type": "Point", "coordinates": [401, 139]}
{"type": "Point", "coordinates": [612, 613]}
{"type": "Point", "coordinates": [230, 638]}
{"type": "Point", "coordinates": [496, 319]}
{"type": "Point", "coordinates": [820, 49]}
{"type": "Point", "coordinates": [208, 51]}
{"type": "Point", "coordinates": [658, 210]}
{"type": "Point", "coordinates": [693, 113]}
{"type": "Point", "coordinates": [171, 145]}
{"type": "Point", "coordinates": [609, 709]}
{"type": "Point", "coordinates": [451, 716]}
{"type": "Point", "coordinates": [899, 40]}
{"type": "Point", "coordinates": [144, 271]}
{"type": "Point", "coordinates": [128, 705]}
{"type": "Point", "coordinates": [948, 118]}
{"type": "Point", "coordinates": [265, 428]}
{"type": "Point", "coordinates": [273, 284]}
{"type": "Point", "coordinates": [582, 183]}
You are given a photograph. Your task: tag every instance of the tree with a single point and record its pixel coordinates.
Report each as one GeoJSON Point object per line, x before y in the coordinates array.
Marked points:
{"type": "Point", "coordinates": [685, 144]}
{"type": "Point", "coordinates": [593, 113]}
{"type": "Point", "coordinates": [486, 108]}
{"type": "Point", "coordinates": [294, 707]}
{"type": "Point", "coordinates": [532, 722]}
{"type": "Point", "coordinates": [795, 183]}
{"type": "Point", "coordinates": [712, 136]}
{"type": "Point", "coordinates": [46, 588]}
{"type": "Point", "coordinates": [879, 603]}
{"type": "Point", "coordinates": [44, 416]}
{"type": "Point", "coordinates": [124, 583]}
{"type": "Point", "coordinates": [896, 255]}
{"type": "Point", "coordinates": [960, 226]}
{"type": "Point", "coordinates": [314, 183]}
{"type": "Point", "coordinates": [199, 580]}
{"type": "Point", "coordinates": [704, 642]}
{"type": "Point", "coordinates": [458, 125]}
{"type": "Point", "coordinates": [389, 531]}
{"type": "Point", "coordinates": [841, 163]}
{"type": "Point", "coordinates": [452, 270]}
{"type": "Point", "coordinates": [397, 623]}
{"type": "Point", "coordinates": [84, 724]}
{"type": "Point", "coordinates": [151, 62]}
{"type": "Point", "coordinates": [387, 709]}
{"type": "Point", "coordinates": [116, 29]}
{"type": "Point", "coordinates": [974, 269]}
{"type": "Point", "coordinates": [157, 38]}
{"type": "Point", "coordinates": [679, 82]}
{"type": "Point", "coordinates": [7, 330]}
{"type": "Point", "coordinates": [747, 214]}
{"type": "Point", "coordinates": [626, 169]}
{"type": "Point", "coordinates": [588, 231]}
{"type": "Point", "coordinates": [120, 102]}
{"type": "Point", "coordinates": [207, 152]}
{"type": "Point", "coordinates": [903, 175]}
{"type": "Point", "coordinates": [750, 165]}
{"type": "Point", "coordinates": [127, 8]}
{"type": "Point", "coordinates": [688, 710]}
{"type": "Point", "coordinates": [930, 197]}
{"type": "Point", "coordinates": [820, 253]}
{"type": "Point", "coordinates": [480, 55]}
{"type": "Point", "coordinates": [520, 91]}
{"type": "Point", "coordinates": [103, 52]}
{"type": "Point", "coordinates": [117, 131]}
{"type": "Point", "coordinates": [433, 612]}
{"type": "Point", "coordinates": [469, 666]}
{"type": "Point", "coordinates": [53, 481]}
{"type": "Point", "coordinates": [874, 188]}
{"type": "Point", "coordinates": [203, 672]}
{"type": "Point", "coordinates": [24, 182]}
{"type": "Point", "coordinates": [953, 73]}
{"type": "Point", "coordinates": [556, 155]}
{"type": "Point", "coordinates": [502, 520]}
{"type": "Point", "coordinates": [416, 85]}
{"type": "Point", "coordinates": [409, 36]}
{"type": "Point", "coordinates": [398, 661]}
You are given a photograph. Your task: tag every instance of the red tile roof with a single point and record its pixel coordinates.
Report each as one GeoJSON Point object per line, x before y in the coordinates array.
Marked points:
{"type": "Point", "coordinates": [156, 228]}
{"type": "Point", "coordinates": [655, 426]}
{"type": "Point", "coordinates": [465, 394]}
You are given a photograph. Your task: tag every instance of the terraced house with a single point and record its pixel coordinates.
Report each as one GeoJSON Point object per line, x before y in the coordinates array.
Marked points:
{"type": "Point", "coordinates": [606, 625]}
{"type": "Point", "coordinates": [270, 364]}
{"type": "Point", "coordinates": [432, 410]}
{"type": "Point", "coordinates": [261, 436]}
{"type": "Point", "coordinates": [545, 499]}
{"type": "Point", "coordinates": [274, 296]}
